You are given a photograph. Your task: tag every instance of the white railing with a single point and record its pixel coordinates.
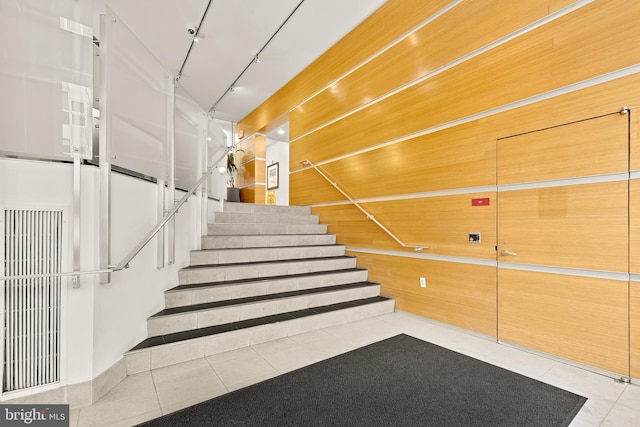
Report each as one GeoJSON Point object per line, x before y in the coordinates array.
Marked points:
{"type": "Point", "coordinates": [369, 216]}
{"type": "Point", "coordinates": [131, 255]}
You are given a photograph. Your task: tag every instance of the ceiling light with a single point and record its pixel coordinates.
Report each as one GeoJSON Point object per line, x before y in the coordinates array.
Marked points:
{"type": "Point", "coordinates": [232, 88]}
{"type": "Point", "coordinates": [196, 39]}
{"type": "Point", "coordinates": [280, 131]}
{"type": "Point", "coordinates": [257, 59]}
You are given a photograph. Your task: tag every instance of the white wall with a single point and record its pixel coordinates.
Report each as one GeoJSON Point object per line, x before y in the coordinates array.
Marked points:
{"type": "Point", "coordinates": [278, 151]}
{"type": "Point", "coordinates": [40, 185]}
{"type": "Point", "coordinates": [102, 321]}
{"type": "Point", "coordinates": [122, 307]}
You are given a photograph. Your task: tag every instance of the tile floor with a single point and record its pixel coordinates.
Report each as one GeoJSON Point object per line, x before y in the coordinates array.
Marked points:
{"type": "Point", "coordinates": [148, 395]}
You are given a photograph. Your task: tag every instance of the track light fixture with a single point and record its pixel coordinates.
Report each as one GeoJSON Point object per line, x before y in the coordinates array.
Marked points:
{"type": "Point", "coordinates": [256, 58]}
{"type": "Point", "coordinates": [193, 32]}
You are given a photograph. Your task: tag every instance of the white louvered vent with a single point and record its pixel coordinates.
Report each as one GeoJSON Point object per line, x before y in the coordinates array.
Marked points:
{"type": "Point", "coordinates": [33, 245]}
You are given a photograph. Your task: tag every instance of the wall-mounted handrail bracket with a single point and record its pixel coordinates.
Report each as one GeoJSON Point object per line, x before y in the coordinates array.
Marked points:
{"type": "Point", "coordinates": [368, 215]}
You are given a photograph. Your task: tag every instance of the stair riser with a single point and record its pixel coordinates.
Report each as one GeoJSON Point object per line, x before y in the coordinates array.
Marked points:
{"type": "Point", "coordinates": [219, 316]}
{"type": "Point", "coordinates": [263, 218]}
{"type": "Point", "coordinates": [266, 209]}
{"type": "Point", "coordinates": [260, 287]}
{"type": "Point", "coordinates": [237, 256]}
{"type": "Point", "coordinates": [266, 241]}
{"type": "Point", "coordinates": [240, 272]}
{"type": "Point", "coordinates": [261, 229]}
{"type": "Point", "coordinates": [171, 354]}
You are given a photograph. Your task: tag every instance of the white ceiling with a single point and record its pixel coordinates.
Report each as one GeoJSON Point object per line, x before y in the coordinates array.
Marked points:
{"type": "Point", "coordinates": [234, 31]}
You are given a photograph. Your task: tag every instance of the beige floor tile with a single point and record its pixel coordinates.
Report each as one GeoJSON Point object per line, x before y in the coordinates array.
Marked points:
{"type": "Point", "coordinates": [528, 364]}
{"type": "Point", "coordinates": [134, 396]}
{"type": "Point", "coordinates": [74, 414]}
{"type": "Point", "coordinates": [241, 370]}
{"type": "Point", "coordinates": [592, 413]}
{"type": "Point", "coordinates": [622, 416]}
{"type": "Point", "coordinates": [252, 381]}
{"type": "Point", "coordinates": [292, 359]}
{"type": "Point", "coordinates": [276, 346]}
{"type": "Point", "coordinates": [146, 395]}
{"type": "Point", "coordinates": [189, 402]}
{"type": "Point", "coordinates": [241, 353]}
{"type": "Point", "coordinates": [379, 327]}
{"type": "Point", "coordinates": [185, 382]}
{"type": "Point", "coordinates": [631, 396]}
{"type": "Point", "coordinates": [137, 419]}
{"type": "Point", "coordinates": [310, 336]}
{"type": "Point", "coordinates": [583, 382]}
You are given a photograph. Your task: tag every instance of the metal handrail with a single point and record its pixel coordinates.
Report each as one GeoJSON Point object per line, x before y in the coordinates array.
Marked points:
{"type": "Point", "coordinates": [127, 259]}
{"type": "Point", "coordinates": [369, 216]}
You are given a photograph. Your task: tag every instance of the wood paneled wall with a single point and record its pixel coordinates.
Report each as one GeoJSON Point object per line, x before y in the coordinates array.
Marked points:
{"type": "Point", "coordinates": [251, 176]}
{"type": "Point", "coordinates": [410, 123]}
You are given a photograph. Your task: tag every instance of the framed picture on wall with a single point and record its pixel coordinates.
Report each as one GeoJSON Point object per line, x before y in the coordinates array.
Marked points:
{"type": "Point", "coordinates": [273, 176]}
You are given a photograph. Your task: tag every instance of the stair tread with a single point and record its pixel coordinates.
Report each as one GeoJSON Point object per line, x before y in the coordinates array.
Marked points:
{"type": "Point", "coordinates": [297, 260]}
{"type": "Point", "coordinates": [243, 324]}
{"type": "Point", "coordinates": [260, 279]}
{"type": "Point", "coordinates": [269, 247]}
{"type": "Point", "coordinates": [226, 236]}
{"type": "Point", "coordinates": [258, 298]}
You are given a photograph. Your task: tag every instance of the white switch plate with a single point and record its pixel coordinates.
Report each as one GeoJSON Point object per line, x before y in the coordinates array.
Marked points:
{"type": "Point", "coordinates": [423, 282]}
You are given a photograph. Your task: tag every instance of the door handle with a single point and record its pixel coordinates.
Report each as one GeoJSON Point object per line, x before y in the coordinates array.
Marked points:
{"type": "Point", "coordinates": [505, 252]}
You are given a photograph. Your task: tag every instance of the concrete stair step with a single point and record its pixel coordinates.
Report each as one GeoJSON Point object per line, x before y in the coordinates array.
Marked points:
{"type": "Point", "coordinates": [197, 316]}
{"type": "Point", "coordinates": [264, 218]}
{"type": "Point", "coordinates": [170, 349]}
{"type": "Point", "coordinates": [254, 270]}
{"type": "Point", "coordinates": [184, 295]}
{"type": "Point", "coordinates": [245, 228]}
{"type": "Point", "coordinates": [245, 255]}
{"type": "Point", "coordinates": [266, 241]}
{"type": "Point", "coordinates": [267, 209]}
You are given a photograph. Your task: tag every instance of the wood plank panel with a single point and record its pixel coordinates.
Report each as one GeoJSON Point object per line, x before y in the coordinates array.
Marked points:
{"type": "Point", "coordinates": [579, 226]}
{"type": "Point", "coordinates": [460, 31]}
{"type": "Point", "coordinates": [252, 147]}
{"type": "Point", "coordinates": [406, 165]}
{"type": "Point", "coordinates": [246, 174]}
{"type": "Point", "coordinates": [255, 193]}
{"type": "Point", "coordinates": [566, 151]}
{"type": "Point", "coordinates": [634, 137]}
{"type": "Point", "coordinates": [578, 318]}
{"type": "Point", "coordinates": [442, 223]}
{"type": "Point", "coordinates": [593, 101]}
{"type": "Point", "coordinates": [634, 329]}
{"type": "Point", "coordinates": [389, 22]}
{"type": "Point", "coordinates": [463, 295]}
{"type": "Point", "coordinates": [634, 226]}
{"type": "Point", "coordinates": [442, 160]}
{"type": "Point", "coordinates": [558, 54]}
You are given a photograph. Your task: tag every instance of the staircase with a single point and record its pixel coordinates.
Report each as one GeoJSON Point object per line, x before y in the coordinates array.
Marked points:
{"type": "Point", "coordinates": [263, 273]}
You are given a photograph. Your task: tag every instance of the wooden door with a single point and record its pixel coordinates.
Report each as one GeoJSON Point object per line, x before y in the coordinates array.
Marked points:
{"type": "Point", "coordinates": [563, 233]}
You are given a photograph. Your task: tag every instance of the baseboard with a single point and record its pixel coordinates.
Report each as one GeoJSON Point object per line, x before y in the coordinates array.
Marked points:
{"type": "Point", "coordinates": [76, 395]}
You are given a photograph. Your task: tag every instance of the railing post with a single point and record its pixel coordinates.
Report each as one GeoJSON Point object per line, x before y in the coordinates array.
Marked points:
{"type": "Point", "coordinates": [105, 151]}
{"type": "Point", "coordinates": [161, 212]}
{"type": "Point", "coordinates": [204, 190]}
{"type": "Point", "coordinates": [77, 189]}
{"type": "Point", "coordinates": [171, 170]}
